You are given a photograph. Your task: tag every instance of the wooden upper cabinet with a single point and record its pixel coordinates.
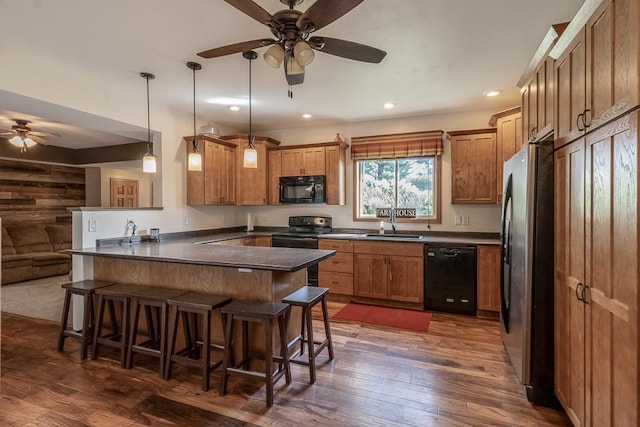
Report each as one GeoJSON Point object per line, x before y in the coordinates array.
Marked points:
{"type": "Point", "coordinates": [325, 158]}
{"type": "Point", "coordinates": [215, 184]}
{"type": "Point", "coordinates": [537, 89]}
{"type": "Point", "coordinates": [597, 67]}
{"type": "Point", "coordinates": [508, 125]}
{"type": "Point", "coordinates": [473, 166]}
{"type": "Point", "coordinates": [252, 184]}
{"type": "Point", "coordinates": [303, 161]}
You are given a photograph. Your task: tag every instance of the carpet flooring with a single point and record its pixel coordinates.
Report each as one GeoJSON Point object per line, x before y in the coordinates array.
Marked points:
{"type": "Point", "coordinates": [40, 298]}
{"type": "Point", "coordinates": [385, 316]}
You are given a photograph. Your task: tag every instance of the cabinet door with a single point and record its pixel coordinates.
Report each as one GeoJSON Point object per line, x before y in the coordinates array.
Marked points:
{"type": "Point", "coordinates": [612, 65]}
{"type": "Point", "coordinates": [569, 280]}
{"type": "Point", "coordinates": [292, 162]}
{"type": "Point", "coordinates": [509, 140]}
{"type": "Point", "coordinates": [406, 278]}
{"type": "Point", "coordinates": [252, 183]}
{"type": "Point", "coordinates": [571, 96]}
{"type": "Point", "coordinates": [275, 171]}
{"type": "Point", "coordinates": [531, 124]}
{"type": "Point", "coordinates": [335, 170]}
{"type": "Point", "coordinates": [313, 161]}
{"type": "Point", "coordinates": [370, 279]}
{"type": "Point", "coordinates": [488, 278]}
{"type": "Point", "coordinates": [227, 175]}
{"type": "Point", "coordinates": [611, 270]}
{"type": "Point", "coordinates": [473, 177]}
{"type": "Point", "coordinates": [195, 179]}
{"type": "Point", "coordinates": [211, 168]}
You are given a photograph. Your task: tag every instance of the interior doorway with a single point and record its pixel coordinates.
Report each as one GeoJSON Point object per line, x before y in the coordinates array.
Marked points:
{"type": "Point", "coordinates": [124, 193]}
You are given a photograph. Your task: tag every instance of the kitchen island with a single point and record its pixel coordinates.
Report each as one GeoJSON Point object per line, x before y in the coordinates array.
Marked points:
{"type": "Point", "coordinates": [240, 272]}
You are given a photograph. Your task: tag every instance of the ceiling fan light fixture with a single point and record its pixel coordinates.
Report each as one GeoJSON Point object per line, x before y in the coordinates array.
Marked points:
{"type": "Point", "coordinates": [294, 68]}
{"type": "Point", "coordinates": [274, 56]}
{"type": "Point", "coordinates": [303, 53]}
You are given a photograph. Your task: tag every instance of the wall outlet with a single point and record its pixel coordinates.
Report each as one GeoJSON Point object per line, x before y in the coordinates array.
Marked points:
{"type": "Point", "coordinates": [458, 220]}
{"type": "Point", "coordinates": [465, 220]}
{"type": "Point", "coordinates": [186, 220]}
{"type": "Point", "coordinates": [93, 226]}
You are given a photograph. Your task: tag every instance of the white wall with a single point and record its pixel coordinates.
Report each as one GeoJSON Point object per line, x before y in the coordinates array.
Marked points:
{"type": "Point", "coordinates": [22, 74]}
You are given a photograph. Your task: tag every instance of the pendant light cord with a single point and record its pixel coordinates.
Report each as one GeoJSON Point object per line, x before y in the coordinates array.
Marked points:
{"type": "Point", "coordinates": [195, 143]}
{"type": "Point", "coordinates": [250, 129]}
{"type": "Point", "coordinates": [148, 118]}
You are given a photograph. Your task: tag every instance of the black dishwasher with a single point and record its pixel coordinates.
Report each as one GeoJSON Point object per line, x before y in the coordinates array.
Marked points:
{"type": "Point", "coordinates": [450, 278]}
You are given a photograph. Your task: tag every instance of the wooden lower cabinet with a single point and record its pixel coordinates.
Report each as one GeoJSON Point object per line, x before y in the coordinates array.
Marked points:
{"type": "Point", "coordinates": [596, 277]}
{"type": "Point", "coordinates": [488, 278]}
{"type": "Point", "coordinates": [336, 273]}
{"type": "Point", "coordinates": [246, 241]}
{"type": "Point", "coordinates": [390, 271]}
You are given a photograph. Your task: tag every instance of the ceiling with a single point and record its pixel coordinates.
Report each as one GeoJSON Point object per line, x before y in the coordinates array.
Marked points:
{"type": "Point", "coordinates": [441, 56]}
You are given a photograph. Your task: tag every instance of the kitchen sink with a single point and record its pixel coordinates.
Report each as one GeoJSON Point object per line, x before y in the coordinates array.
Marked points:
{"type": "Point", "coordinates": [396, 236]}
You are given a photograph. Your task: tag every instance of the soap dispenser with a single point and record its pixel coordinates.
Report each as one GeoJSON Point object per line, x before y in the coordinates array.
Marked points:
{"type": "Point", "coordinates": [381, 229]}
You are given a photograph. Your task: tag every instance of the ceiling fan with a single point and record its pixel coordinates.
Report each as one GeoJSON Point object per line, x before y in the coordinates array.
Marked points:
{"type": "Point", "coordinates": [294, 44]}
{"type": "Point", "coordinates": [23, 137]}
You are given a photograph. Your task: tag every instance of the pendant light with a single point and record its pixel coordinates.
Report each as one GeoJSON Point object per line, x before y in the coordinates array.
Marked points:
{"type": "Point", "coordinates": [194, 162]}
{"type": "Point", "coordinates": [250, 153]}
{"type": "Point", "coordinates": [149, 159]}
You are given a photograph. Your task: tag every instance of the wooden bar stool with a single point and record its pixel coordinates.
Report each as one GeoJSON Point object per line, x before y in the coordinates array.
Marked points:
{"type": "Point", "coordinates": [195, 304]}
{"type": "Point", "coordinates": [118, 337]}
{"type": "Point", "coordinates": [306, 298]}
{"type": "Point", "coordinates": [86, 289]}
{"type": "Point", "coordinates": [264, 313]}
{"type": "Point", "coordinates": [150, 298]}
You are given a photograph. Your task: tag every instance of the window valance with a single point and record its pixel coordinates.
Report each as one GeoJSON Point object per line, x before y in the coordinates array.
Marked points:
{"type": "Point", "coordinates": [397, 146]}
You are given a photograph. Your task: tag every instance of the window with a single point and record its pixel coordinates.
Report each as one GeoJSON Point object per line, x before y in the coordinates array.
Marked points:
{"type": "Point", "coordinates": [398, 183]}
{"type": "Point", "coordinates": [399, 170]}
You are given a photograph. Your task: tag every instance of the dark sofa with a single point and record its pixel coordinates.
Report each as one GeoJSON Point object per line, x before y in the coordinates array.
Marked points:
{"type": "Point", "coordinates": [35, 251]}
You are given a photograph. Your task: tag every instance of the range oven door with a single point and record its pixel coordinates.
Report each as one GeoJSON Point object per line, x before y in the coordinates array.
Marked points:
{"type": "Point", "coordinates": [302, 243]}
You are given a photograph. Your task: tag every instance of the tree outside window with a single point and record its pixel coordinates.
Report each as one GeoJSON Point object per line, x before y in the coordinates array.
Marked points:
{"type": "Point", "coordinates": [399, 183]}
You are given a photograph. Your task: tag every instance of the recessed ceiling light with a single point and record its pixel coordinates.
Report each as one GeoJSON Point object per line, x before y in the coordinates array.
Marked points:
{"type": "Point", "coordinates": [492, 92]}
{"type": "Point", "coordinates": [389, 105]}
{"type": "Point", "coordinates": [234, 108]}
{"type": "Point", "coordinates": [306, 116]}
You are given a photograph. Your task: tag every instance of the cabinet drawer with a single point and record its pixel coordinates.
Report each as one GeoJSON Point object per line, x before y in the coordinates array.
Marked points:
{"type": "Point", "coordinates": [341, 262]}
{"type": "Point", "coordinates": [336, 245]}
{"type": "Point", "coordinates": [338, 283]}
{"type": "Point", "coordinates": [389, 248]}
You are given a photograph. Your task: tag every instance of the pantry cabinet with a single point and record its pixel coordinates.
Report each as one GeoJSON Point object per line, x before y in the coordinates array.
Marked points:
{"type": "Point", "coordinates": [215, 183]}
{"type": "Point", "coordinates": [473, 166]}
{"type": "Point", "coordinates": [488, 278]}
{"type": "Point", "coordinates": [389, 271]}
{"type": "Point", "coordinates": [596, 285]}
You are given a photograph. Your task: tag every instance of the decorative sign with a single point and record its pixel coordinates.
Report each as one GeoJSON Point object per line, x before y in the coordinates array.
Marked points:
{"type": "Point", "coordinates": [400, 212]}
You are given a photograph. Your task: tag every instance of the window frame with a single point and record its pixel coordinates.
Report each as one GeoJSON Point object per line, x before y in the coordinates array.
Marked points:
{"type": "Point", "coordinates": [435, 219]}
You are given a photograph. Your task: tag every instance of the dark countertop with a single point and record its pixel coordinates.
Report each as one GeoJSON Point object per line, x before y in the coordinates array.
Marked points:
{"type": "Point", "coordinates": [462, 240]}
{"type": "Point", "coordinates": [186, 252]}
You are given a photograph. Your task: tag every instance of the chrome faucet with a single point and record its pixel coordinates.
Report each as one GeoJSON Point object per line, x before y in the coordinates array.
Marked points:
{"type": "Point", "coordinates": [392, 219]}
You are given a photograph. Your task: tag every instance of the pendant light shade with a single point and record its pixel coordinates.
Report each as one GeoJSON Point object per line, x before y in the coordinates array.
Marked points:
{"type": "Point", "coordinates": [250, 155]}
{"type": "Point", "coordinates": [194, 161]}
{"type": "Point", "coordinates": [149, 159]}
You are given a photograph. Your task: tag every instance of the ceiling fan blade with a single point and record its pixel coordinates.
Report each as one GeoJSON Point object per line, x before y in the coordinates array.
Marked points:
{"type": "Point", "coordinates": [324, 12]}
{"type": "Point", "coordinates": [235, 48]}
{"type": "Point", "coordinates": [251, 9]}
{"type": "Point", "coordinates": [346, 49]}
{"type": "Point", "coordinates": [38, 139]}
{"type": "Point", "coordinates": [42, 134]}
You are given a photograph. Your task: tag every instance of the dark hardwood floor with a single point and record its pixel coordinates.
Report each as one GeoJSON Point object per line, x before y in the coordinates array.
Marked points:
{"type": "Point", "coordinates": [456, 374]}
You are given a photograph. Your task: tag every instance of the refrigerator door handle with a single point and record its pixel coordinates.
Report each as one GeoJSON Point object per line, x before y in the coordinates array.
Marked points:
{"type": "Point", "coordinates": [505, 253]}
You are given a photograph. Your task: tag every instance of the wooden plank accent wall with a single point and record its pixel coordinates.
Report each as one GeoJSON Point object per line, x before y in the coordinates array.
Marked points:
{"type": "Point", "coordinates": [38, 193]}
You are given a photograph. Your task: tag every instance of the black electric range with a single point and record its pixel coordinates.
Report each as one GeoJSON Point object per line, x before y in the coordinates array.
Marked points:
{"type": "Point", "coordinates": [303, 233]}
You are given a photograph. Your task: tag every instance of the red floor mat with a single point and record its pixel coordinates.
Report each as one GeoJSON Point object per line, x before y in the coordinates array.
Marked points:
{"type": "Point", "coordinates": [386, 316]}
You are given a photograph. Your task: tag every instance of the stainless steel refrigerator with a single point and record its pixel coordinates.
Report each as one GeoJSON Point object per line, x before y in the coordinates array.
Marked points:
{"type": "Point", "coordinates": [526, 279]}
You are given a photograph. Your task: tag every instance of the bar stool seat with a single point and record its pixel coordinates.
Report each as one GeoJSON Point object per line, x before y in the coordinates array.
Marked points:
{"type": "Point", "coordinates": [149, 297]}
{"type": "Point", "coordinates": [265, 313]}
{"type": "Point", "coordinates": [118, 337]}
{"type": "Point", "coordinates": [86, 289]}
{"type": "Point", "coordinates": [306, 298]}
{"type": "Point", "coordinates": [194, 304]}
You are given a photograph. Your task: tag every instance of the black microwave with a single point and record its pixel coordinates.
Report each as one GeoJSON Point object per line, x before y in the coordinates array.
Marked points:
{"type": "Point", "coordinates": [302, 189]}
